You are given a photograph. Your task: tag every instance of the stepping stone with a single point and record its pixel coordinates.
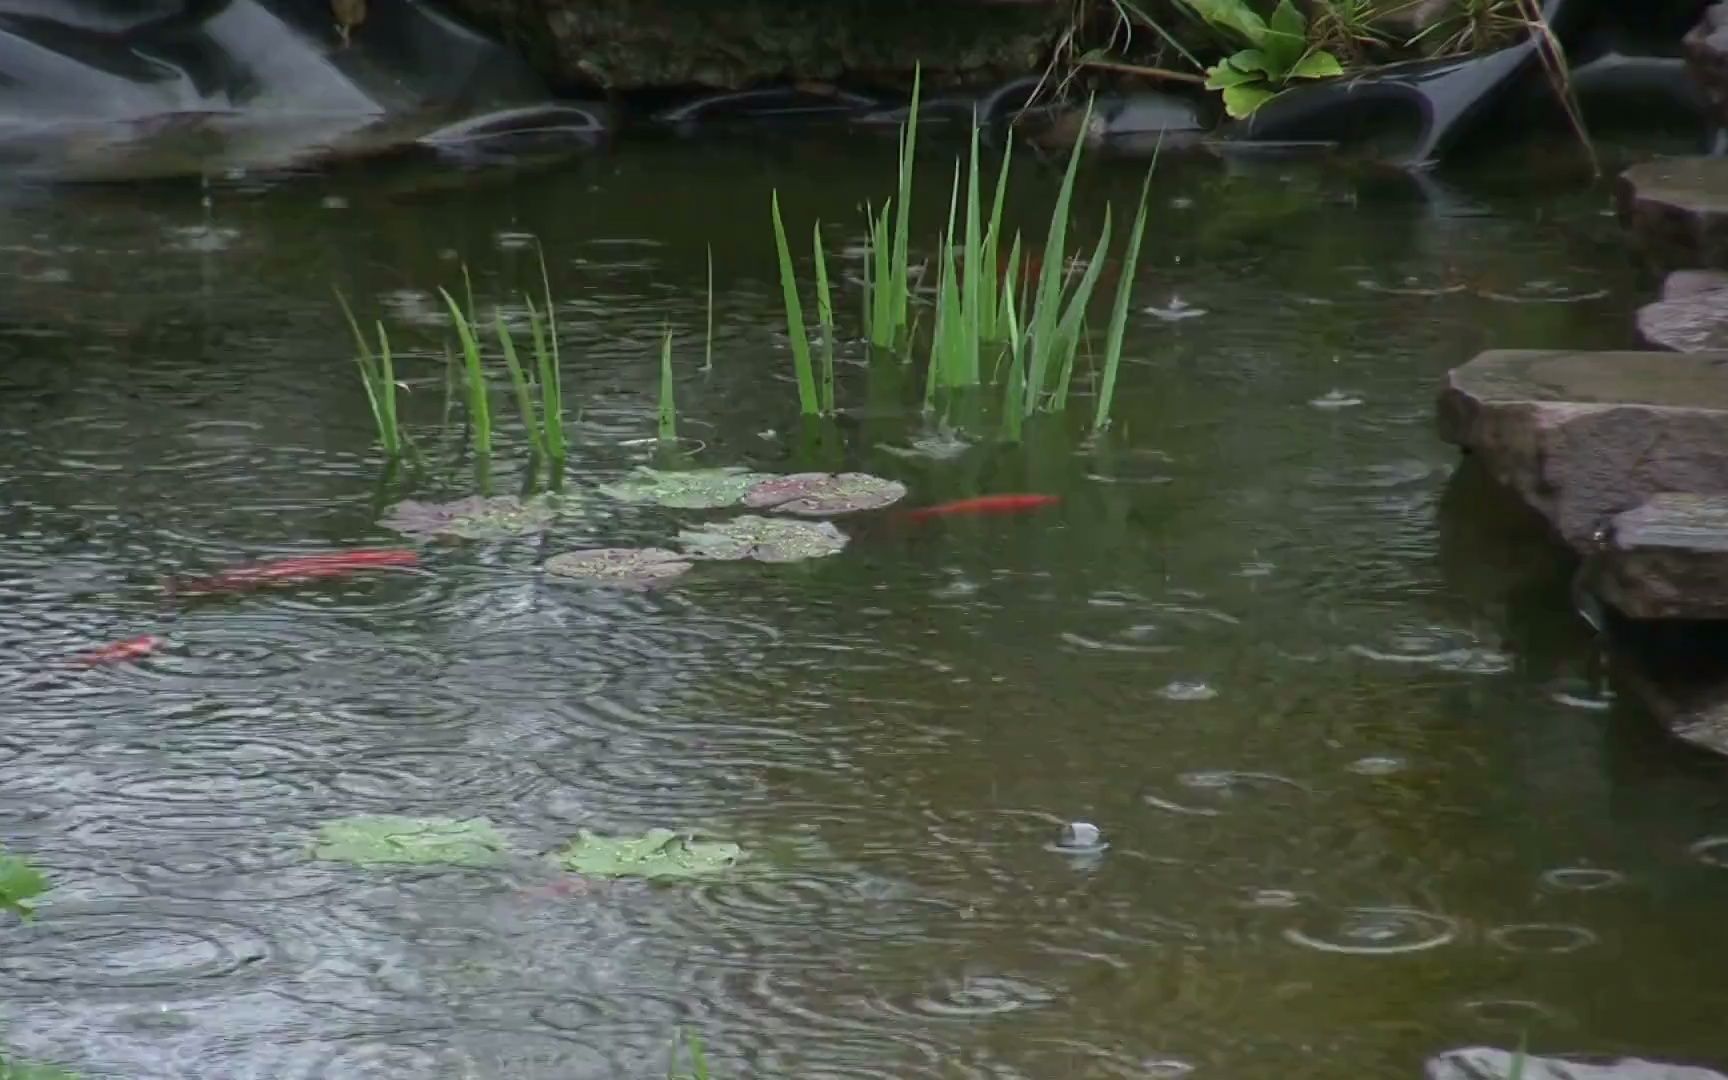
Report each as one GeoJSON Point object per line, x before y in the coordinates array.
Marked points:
{"type": "Point", "coordinates": [1583, 436]}
{"type": "Point", "coordinates": [1692, 315]}
{"type": "Point", "coordinates": [1667, 559]}
{"type": "Point", "coordinates": [1677, 672]}
{"type": "Point", "coordinates": [1677, 210]}
{"type": "Point", "coordinates": [1484, 1063]}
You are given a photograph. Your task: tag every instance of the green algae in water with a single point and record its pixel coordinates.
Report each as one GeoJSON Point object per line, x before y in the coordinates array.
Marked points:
{"type": "Point", "coordinates": [374, 839]}
{"type": "Point", "coordinates": [764, 539]}
{"type": "Point", "coordinates": [476, 517]}
{"type": "Point", "coordinates": [658, 853]}
{"type": "Point", "coordinates": [816, 494]}
{"type": "Point", "coordinates": [20, 884]}
{"type": "Point", "coordinates": [619, 566]}
{"type": "Point", "coordinates": [690, 489]}
{"type": "Point", "coordinates": [24, 1070]}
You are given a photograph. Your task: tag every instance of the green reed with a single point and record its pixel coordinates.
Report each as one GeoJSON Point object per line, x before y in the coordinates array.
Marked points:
{"type": "Point", "coordinates": [887, 265]}
{"type": "Point", "coordinates": [708, 340]}
{"type": "Point", "coordinates": [668, 426]}
{"type": "Point", "coordinates": [1119, 310]}
{"type": "Point", "coordinates": [698, 1060]}
{"type": "Point", "coordinates": [474, 372]}
{"type": "Point", "coordinates": [825, 320]}
{"type": "Point", "coordinates": [807, 400]}
{"type": "Point", "coordinates": [378, 374]}
{"type": "Point", "coordinates": [550, 366]}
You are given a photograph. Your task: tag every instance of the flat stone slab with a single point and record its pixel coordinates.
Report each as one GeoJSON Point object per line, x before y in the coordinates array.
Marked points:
{"type": "Point", "coordinates": [1583, 436]}
{"type": "Point", "coordinates": [1667, 559]}
{"type": "Point", "coordinates": [1485, 1063]}
{"type": "Point", "coordinates": [1692, 315]}
{"type": "Point", "coordinates": [1677, 210]}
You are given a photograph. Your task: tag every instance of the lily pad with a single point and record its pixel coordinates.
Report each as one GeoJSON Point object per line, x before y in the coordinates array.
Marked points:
{"type": "Point", "coordinates": [658, 853]}
{"type": "Point", "coordinates": [690, 489]}
{"type": "Point", "coordinates": [20, 884]}
{"type": "Point", "coordinates": [619, 566]}
{"type": "Point", "coordinates": [765, 539]}
{"type": "Point", "coordinates": [476, 517]}
{"type": "Point", "coordinates": [816, 494]}
{"type": "Point", "coordinates": [370, 839]}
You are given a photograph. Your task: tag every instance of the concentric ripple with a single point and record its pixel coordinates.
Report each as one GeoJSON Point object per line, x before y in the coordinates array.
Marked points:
{"type": "Point", "coordinates": [1211, 792]}
{"type": "Point", "coordinates": [1553, 938]}
{"type": "Point", "coordinates": [1377, 931]}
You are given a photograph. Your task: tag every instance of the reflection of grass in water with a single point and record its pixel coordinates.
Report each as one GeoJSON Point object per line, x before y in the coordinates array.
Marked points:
{"type": "Point", "coordinates": [11, 1069]}
{"type": "Point", "coordinates": [692, 1048]}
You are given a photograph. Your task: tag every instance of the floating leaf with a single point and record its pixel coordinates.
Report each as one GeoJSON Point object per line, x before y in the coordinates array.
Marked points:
{"type": "Point", "coordinates": [619, 566]}
{"type": "Point", "coordinates": [20, 884]}
{"type": "Point", "coordinates": [816, 494]}
{"type": "Point", "coordinates": [388, 838]}
{"type": "Point", "coordinates": [658, 853]}
{"type": "Point", "coordinates": [763, 539]}
{"type": "Point", "coordinates": [691, 489]}
{"type": "Point", "coordinates": [472, 518]}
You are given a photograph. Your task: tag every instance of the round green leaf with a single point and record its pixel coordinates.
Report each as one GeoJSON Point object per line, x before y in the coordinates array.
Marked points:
{"type": "Point", "coordinates": [658, 853]}
{"type": "Point", "coordinates": [692, 489]}
{"type": "Point", "coordinates": [764, 539]}
{"type": "Point", "coordinates": [474, 518]}
{"type": "Point", "coordinates": [370, 839]}
{"type": "Point", "coordinates": [619, 566]}
{"type": "Point", "coordinates": [817, 494]}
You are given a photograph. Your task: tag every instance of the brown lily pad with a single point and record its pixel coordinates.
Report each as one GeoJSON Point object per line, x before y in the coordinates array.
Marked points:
{"type": "Point", "coordinates": [636, 567]}
{"type": "Point", "coordinates": [816, 494]}
{"type": "Point", "coordinates": [763, 539]}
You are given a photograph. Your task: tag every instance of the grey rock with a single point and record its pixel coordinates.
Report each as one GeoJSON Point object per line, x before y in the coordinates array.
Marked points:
{"type": "Point", "coordinates": [1666, 559]}
{"type": "Point", "coordinates": [1677, 210]}
{"type": "Point", "coordinates": [1692, 315]}
{"type": "Point", "coordinates": [1485, 1063]}
{"type": "Point", "coordinates": [1677, 671]}
{"type": "Point", "coordinates": [1582, 436]}
{"type": "Point", "coordinates": [1705, 47]}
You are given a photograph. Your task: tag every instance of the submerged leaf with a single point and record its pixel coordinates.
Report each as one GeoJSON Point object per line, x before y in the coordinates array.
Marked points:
{"type": "Point", "coordinates": [764, 539]}
{"type": "Point", "coordinates": [658, 853]}
{"type": "Point", "coordinates": [369, 839]}
{"type": "Point", "coordinates": [473, 518]}
{"type": "Point", "coordinates": [619, 566]}
{"type": "Point", "coordinates": [816, 494]}
{"type": "Point", "coordinates": [692, 489]}
{"type": "Point", "coordinates": [20, 884]}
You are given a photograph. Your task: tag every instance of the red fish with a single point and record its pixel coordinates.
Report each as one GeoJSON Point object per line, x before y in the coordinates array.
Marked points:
{"type": "Point", "coordinates": [297, 570]}
{"type": "Point", "coordinates": [983, 504]}
{"type": "Point", "coordinates": [121, 651]}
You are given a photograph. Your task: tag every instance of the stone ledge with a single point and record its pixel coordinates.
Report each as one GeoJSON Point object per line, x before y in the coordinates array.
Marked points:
{"type": "Point", "coordinates": [1677, 210]}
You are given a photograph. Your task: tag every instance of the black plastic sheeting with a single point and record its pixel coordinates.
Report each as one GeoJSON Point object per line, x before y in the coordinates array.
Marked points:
{"type": "Point", "coordinates": [129, 89]}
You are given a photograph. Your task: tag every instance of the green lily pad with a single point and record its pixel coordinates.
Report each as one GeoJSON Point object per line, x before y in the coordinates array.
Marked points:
{"type": "Point", "coordinates": [619, 566]}
{"type": "Point", "coordinates": [765, 539]}
{"type": "Point", "coordinates": [473, 518]}
{"type": "Point", "coordinates": [691, 489]}
{"type": "Point", "coordinates": [816, 494]}
{"type": "Point", "coordinates": [658, 853]}
{"type": "Point", "coordinates": [20, 884]}
{"type": "Point", "coordinates": [369, 839]}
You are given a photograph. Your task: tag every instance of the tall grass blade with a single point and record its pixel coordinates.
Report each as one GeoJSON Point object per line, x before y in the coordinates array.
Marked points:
{"type": "Point", "coordinates": [1014, 386]}
{"type": "Point", "coordinates": [1073, 322]}
{"type": "Point", "coordinates": [1119, 311]}
{"type": "Point", "coordinates": [479, 408]}
{"type": "Point", "coordinates": [551, 391]}
{"type": "Point", "coordinates": [520, 385]}
{"type": "Point", "coordinates": [378, 379]}
{"type": "Point", "coordinates": [807, 403]}
{"type": "Point", "coordinates": [825, 320]}
{"type": "Point", "coordinates": [668, 426]}
{"type": "Point", "coordinates": [990, 311]}
{"type": "Point", "coordinates": [900, 268]}
{"type": "Point", "coordinates": [1045, 315]}
{"type": "Point", "coordinates": [977, 274]}
{"type": "Point", "coordinates": [708, 340]}
{"type": "Point", "coordinates": [879, 280]}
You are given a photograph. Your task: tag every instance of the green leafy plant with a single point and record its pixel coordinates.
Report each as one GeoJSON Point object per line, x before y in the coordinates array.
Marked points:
{"type": "Point", "coordinates": [658, 853]}
{"type": "Point", "coordinates": [372, 839]}
{"type": "Point", "coordinates": [668, 421]}
{"type": "Point", "coordinates": [692, 1047]}
{"type": "Point", "coordinates": [20, 884]}
{"type": "Point", "coordinates": [474, 372]}
{"type": "Point", "coordinates": [887, 263]}
{"type": "Point", "coordinates": [1278, 53]}
{"type": "Point", "coordinates": [804, 367]}
{"type": "Point", "coordinates": [378, 374]}
{"type": "Point", "coordinates": [12, 1069]}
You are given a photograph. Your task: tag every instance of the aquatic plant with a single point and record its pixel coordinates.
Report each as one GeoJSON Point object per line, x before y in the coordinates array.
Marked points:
{"type": "Point", "coordinates": [1278, 52]}
{"type": "Point", "coordinates": [474, 374]}
{"type": "Point", "coordinates": [887, 263]}
{"type": "Point", "coordinates": [378, 375]}
{"type": "Point", "coordinates": [708, 338]}
{"type": "Point", "coordinates": [658, 853]}
{"type": "Point", "coordinates": [764, 539]}
{"type": "Point", "coordinates": [629, 567]}
{"type": "Point", "coordinates": [476, 517]}
{"type": "Point", "coordinates": [803, 366]}
{"type": "Point", "coordinates": [13, 1069]}
{"type": "Point", "coordinates": [685, 489]}
{"type": "Point", "coordinates": [371, 839]}
{"type": "Point", "coordinates": [824, 320]}
{"type": "Point", "coordinates": [817, 494]}
{"type": "Point", "coordinates": [551, 384]}
{"type": "Point", "coordinates": [667, 427]}
{"type": "Point", "coordinates": [20, 885]}
{"type": "Point", "coordinates": [692, 1047]}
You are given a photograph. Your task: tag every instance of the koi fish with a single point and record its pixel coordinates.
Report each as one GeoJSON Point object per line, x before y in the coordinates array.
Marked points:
{"type": "Point", "coordinates": [121, 651]}
{"type": "Point", "coordinates": [983, 504]}
{"type": "Point", "coordinates": [296, 570]}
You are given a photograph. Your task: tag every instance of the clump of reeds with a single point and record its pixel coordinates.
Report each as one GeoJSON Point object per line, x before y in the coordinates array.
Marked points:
{"type": "Point", "coordinates": [985, 314]}
{"type": "Point", "coordinates": [378, 375]}
{"type": "Point", "coordinates": [668, 419]}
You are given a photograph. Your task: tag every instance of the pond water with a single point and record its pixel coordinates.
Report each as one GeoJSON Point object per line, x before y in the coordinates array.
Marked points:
{"type": "Point", "coordinates": [1364, 791]}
